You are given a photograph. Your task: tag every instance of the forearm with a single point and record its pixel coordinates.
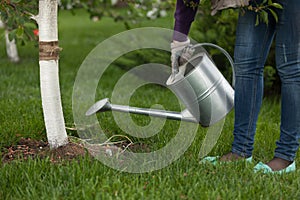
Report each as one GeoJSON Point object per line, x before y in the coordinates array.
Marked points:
{"type": "Point", "coordinates": [184, 16]}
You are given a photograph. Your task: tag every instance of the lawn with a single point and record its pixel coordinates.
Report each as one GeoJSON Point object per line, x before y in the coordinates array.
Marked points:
{"type": "Point", "coordinates": [86, 178]}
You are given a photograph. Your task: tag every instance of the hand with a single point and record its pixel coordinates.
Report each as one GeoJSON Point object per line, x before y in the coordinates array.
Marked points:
{"type": "Point", "coordinates": [181, 52]}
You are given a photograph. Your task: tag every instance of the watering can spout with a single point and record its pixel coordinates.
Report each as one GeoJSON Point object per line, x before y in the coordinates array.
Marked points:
{"type": "Point", "coordinates": [104, 105]}
{"type": "Point", "coordinates": [100, 106]}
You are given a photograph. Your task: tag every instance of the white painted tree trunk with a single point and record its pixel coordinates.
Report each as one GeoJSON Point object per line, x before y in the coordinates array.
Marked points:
{"type": "Point", "coordinates": [11, 48]}
{"type": "Point", "coordinates": [49, 74]}
{"type": "Point", "coordinates": [1, 24]}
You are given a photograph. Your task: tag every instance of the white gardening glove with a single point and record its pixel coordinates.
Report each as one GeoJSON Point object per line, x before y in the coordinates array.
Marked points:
{"type": "Point", "coordinates": [181, 52]}
{"type": "Point", "coordinates": [217, 5]}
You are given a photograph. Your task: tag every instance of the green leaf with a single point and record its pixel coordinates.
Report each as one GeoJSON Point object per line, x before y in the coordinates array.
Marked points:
{"type": "Point", "coordinates": [274, 14]}
{"type": "Point", "coordinates": [257, 20]}
{"type": "Point", "coordinates": [28, 33]}
{"type": "Point", "coordinates": [20, 32]}
{"type": "Point", "coordinates": [264, 16]}
{"type": "Point", "coordinates": [12, 35]}
{"type": "Point", "coordinates": [277, 5]}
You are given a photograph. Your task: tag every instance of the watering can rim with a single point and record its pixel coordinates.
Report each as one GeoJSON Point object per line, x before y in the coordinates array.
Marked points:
{"type": "Point", "coordinates": [225, 53]}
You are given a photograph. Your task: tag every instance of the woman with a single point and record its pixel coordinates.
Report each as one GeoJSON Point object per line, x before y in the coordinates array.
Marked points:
{"type": "Point", "coordinates": [251, 50]}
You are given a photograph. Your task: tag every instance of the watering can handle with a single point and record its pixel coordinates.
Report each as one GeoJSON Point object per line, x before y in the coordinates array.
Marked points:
{"type": "Point", "coordinates": [225, 53]}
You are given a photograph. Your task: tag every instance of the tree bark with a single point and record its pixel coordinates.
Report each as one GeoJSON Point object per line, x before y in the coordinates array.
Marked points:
{"type": "Point", "coordinates": [49, 73]}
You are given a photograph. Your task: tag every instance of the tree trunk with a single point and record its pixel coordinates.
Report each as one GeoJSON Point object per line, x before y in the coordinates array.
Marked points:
{"type": "Point", "coordinates": [49, 78]}
{"type": "Point", "coordinates": [11, 48]}
{"type": "Point", "coordinates": [1, 24]}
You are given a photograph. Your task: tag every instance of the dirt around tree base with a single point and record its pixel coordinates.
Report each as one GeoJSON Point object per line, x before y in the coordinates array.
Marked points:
{"type": "Point", "coordinates": [28, 148]}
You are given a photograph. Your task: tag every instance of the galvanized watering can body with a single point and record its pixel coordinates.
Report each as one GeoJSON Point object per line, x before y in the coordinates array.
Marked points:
{"type": "Point", "coordinates": [206, 94]}
{"type": "Point", "coordinates": [204, 91]}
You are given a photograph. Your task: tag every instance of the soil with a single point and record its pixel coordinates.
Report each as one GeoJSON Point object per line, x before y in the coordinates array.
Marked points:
{"type": "Point", "coordinates": [28, 148]}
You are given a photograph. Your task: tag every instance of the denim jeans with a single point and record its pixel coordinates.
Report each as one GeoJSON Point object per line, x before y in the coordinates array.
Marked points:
{"type": "Point", "coordinates": [251, 50]}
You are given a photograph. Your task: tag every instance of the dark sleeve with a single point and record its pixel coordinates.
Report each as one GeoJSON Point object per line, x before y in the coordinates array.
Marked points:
{"type": "Point", "coordinates": [184, 16]}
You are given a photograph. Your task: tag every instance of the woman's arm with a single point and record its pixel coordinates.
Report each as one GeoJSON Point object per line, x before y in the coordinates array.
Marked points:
{"type": "Point", "coordinates": [184, 16]}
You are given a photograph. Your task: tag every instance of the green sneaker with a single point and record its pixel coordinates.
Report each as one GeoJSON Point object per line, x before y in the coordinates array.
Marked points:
{"type": "Point", "coordinates": [215, 160]}
{"type": "Point", "coordinates": [261, 167]}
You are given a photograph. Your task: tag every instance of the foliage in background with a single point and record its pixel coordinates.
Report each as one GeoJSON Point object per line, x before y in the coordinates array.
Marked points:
{"type": "Point", "coordinates": [17, 14]}
{"type": "Point", "coordinates": [219, 29]}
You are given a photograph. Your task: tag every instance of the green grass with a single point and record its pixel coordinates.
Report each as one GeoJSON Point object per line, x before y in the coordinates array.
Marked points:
{"type": "Point", "coordinates": [21, 116]}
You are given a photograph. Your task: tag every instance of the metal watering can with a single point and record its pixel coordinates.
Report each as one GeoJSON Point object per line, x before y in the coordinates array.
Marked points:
{"type": "Point", "coordinates": [206, 94]}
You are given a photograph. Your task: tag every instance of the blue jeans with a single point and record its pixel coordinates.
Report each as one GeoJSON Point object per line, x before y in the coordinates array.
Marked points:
{"type": "Point", "coordinates": [251, 50]}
